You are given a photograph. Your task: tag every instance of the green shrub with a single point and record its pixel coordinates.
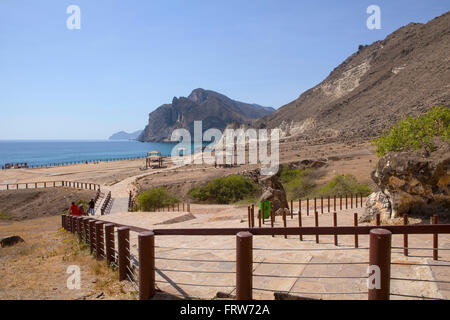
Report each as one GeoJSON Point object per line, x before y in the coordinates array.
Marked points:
{"type": "Point", "coordinates": [413, 133]}
{"type": "Point", "coordinates": [342, 184]}
{"type": "Point", "coordinates": [299, 183]}
{"type": "Point", "coordinates": [224, 190]}
{"type": "Point", "coordinates": [155, 198]}
{"type": "Point", "coordinates": [5, 216]}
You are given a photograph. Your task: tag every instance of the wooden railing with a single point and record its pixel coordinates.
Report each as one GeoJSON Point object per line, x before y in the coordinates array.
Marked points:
{"type": "Point", "coordinates": [106, 204]}
{"type": "Point", "coordinates": [49, 184]}
{"type": "Point", "coordinates": [100, 237]}
{"type": "Point", "coordinates": [70, 163]}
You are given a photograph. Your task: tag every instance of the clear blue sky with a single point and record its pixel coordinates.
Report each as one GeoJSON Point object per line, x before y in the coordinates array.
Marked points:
{"type": "Point", "coordinates": [129, 57]}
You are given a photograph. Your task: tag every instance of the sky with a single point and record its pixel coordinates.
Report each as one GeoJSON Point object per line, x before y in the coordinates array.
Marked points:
{"type": "Point", "coordinates": [129, 57]}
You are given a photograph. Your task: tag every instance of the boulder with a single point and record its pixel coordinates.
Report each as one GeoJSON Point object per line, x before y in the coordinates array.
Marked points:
{"type": "Point", "coordinates": [412, 183]}
{"type": "Point", "coordinates": [272, 190]}
{"type": "Point", "coordinates": [10, 241]}
{"type": "Point", "coordinates": [377, 202]}
{"type": "Point", "coordinates": [279, 212]}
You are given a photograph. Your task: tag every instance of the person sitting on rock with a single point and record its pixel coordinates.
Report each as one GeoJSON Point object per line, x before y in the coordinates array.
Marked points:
{"type": "Point", "coordinates": [74, 209]}
{"type": "Point", "coordinates": [81, 210]}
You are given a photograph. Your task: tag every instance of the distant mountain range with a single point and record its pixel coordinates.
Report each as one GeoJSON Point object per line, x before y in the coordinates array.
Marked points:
{"type": "Point", "coordinates": [405, 74]}
{"type": "Point", "coordinates": [214, 109]}
{"type": "Point", "coordinates": [122, 135]}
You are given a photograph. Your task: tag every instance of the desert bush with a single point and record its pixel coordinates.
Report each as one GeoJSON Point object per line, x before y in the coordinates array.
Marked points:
{"type": "Point", "coordinates": [155, 198]}
{"type": "Point", "coordinates": [413, 133]}
{"type": "Point", "coordinates": [224, 190]}
{"type": "Point", "coordinates": [342, 184]}
{"type": "Point", "coordinates": [299, 183]}
{"type": "Point", "coordinates": [5, 216]}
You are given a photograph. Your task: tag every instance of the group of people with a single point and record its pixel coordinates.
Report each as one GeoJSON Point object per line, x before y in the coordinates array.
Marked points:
{"type": "Point", "coordinates": [78, 210]}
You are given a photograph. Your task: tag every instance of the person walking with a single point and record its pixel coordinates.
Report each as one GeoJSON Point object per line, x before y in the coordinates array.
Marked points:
{"type": "Point", "coordinates": [92, 207]}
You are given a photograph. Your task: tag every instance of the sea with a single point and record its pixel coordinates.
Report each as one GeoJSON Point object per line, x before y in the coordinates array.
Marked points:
{"type": "Point", "coordinates": [49, 152]}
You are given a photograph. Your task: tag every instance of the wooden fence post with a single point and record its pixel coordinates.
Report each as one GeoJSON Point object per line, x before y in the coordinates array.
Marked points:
{"type": "Point", "coordinates": [321, 205]}
{"type": "Point", "coordinates": [335, 225]}
{"type": "Point", "coordinates": [405, 236]}
{"type": "Point", "coordinates": [435, 238]}
{"type": "Point", "coordinates": [380, 264]}
{"type": "Point", "coordinates": [272, 217]}
{"type": "Point", "coordinates": [99, 240]}
{"type": "Point", "coordinates": [78, 224]}
{"type": "Point", "coordinates": [307, 206]}
{"type": "Point", "coordinates": [316, 223]}
{"type": "Point", "coordinates": [253, 215]}
{"type": "Point", "coordinates": [300, 219]}
{"type": "Point", "coordinates": [259, 218]}
{"type": "Point", "coordinates": [146, 241]}
{"type": "Point", "coordinates": [86, 229]}
{"type": "Point", "coordinates": [315, 204]}
{"type": "Point", "coordinates": [123, 234]}
{"type": "Point", "coordinates": [355, 223]}
{"type": "Point", "coordinates": [244, 266]}
{"type": "Point", "coordinates": [92, 236]}
{"type": "Point", "coordinates": [292, 209]}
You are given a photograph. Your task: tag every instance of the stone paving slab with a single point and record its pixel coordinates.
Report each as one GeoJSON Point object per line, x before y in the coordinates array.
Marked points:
{"type": "Point", "coordinates": [221, 250]}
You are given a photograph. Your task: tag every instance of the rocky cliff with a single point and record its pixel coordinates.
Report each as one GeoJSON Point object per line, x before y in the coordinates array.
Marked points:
{"type": "Point", "coordinates": [405, 74]}
{"type": "Point", "coordinates": [214, 109]}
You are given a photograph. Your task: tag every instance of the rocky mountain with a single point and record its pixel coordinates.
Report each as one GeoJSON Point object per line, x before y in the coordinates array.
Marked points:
{"type": "Point", "coordinates": [405, 74]}
{"type": "Point", "coordinates": [214, 109]}
{"type": "Point", "coordinates": [122, 135]}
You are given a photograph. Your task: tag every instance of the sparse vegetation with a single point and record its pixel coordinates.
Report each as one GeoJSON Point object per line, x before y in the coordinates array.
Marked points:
{"type": "Point", "coordinates": [155, 198]}
{"type": "Point", "coordinates": [342, 184]}
{"type": "Point", "coordinates": [5, 216]}
{"type": "Point", "coordinates": [413, 133]}
{"type": "Point", "coordinates": [301, 183]}
{"type": "Point", "coordinates": [225, 190]}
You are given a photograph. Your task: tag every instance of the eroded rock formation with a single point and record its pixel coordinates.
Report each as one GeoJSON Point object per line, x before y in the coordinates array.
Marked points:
{"type": "Point", "coordinates": [411, 183]}
{"type": "Point", "coordinates": [272, 190]}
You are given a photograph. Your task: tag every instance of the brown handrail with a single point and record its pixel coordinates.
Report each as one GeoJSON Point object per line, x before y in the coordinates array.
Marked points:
{"type": "Point", "coordinates": [412, 229]}
{"type": "Point", "coordinates": [349, 230]}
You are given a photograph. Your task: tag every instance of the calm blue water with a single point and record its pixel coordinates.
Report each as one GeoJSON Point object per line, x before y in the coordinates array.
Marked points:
{"type": "Point", "coordinates": [57, 151]}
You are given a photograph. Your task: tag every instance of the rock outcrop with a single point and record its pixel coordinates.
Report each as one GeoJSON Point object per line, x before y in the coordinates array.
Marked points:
{"type": "Point", "coordinates": [10, 241]}
{"type": "Point", "coordinates": [122, 135]}
{"type": "Point", "coordinates": [404, 74]}
{"type": "Point", "coordinates": [214, 110]}
{"type": "Point", "coordinates": [272, 190]}
{"type": "Point", "coordinates": [411, 183]}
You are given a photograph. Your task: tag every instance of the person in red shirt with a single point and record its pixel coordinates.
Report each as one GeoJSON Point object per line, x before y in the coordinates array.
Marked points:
{"type": "Point", "coordinates": [74, 209]}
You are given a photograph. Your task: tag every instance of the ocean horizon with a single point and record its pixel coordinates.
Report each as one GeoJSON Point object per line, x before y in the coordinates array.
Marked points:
{"type": "Point", "coordinates": [58, 151]}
